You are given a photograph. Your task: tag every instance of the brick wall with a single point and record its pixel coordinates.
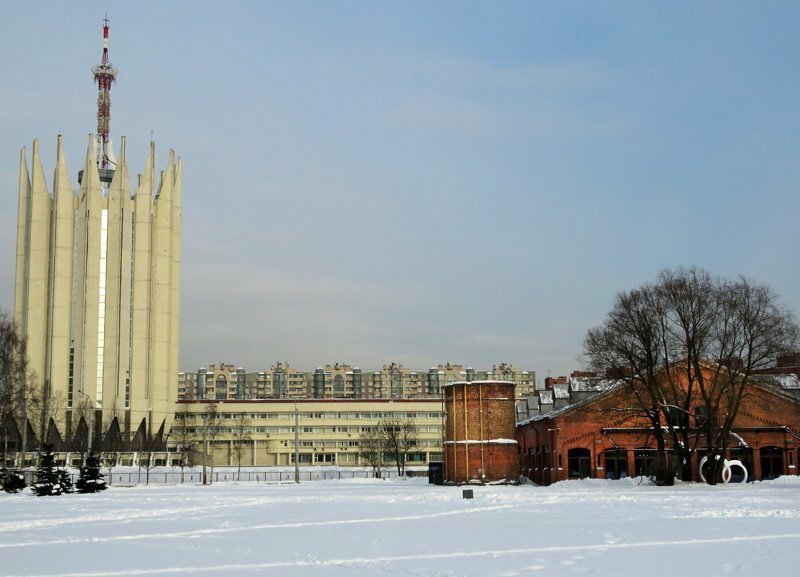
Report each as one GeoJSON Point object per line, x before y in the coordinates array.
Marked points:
{"type": "Point", "coordinates": [480, 432]}
{"type": "Point", "coordinates": [766, 420]}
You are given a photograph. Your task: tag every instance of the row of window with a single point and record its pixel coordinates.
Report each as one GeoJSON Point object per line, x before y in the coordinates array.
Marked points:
{"type": "Point", "coordinates": [305, 416]}
{"type": "Point", "coordinates": [312, 430]}
{"type": "Point", "coordinates": [614, 462]}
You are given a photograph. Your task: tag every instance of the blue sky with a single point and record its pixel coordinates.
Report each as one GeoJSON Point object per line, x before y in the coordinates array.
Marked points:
{"type": "Point", "coordinates": [472, 182]}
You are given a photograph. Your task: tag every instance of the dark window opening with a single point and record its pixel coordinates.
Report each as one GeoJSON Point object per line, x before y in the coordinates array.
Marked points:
{"type": "Point", "coordinates": [703, 415]}
{"type": "Point", "coordinates": [745, 455]}
{"type": "Point", "coordinates": [579, 463]}
{"type": "Point", "coordinates": [616, 463]}
{"type": "Point", "coordinates": [771, 462]}
{"type": "Point", "coordinates": [678, 418]}
{"type": "Point", "coordinates": [644, 462]}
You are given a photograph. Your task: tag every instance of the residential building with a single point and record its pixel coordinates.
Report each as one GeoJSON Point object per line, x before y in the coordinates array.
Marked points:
{"type": "Point", "coordinates": [329, 429]}
{"type": "Point", "coordinates": [339, 381]}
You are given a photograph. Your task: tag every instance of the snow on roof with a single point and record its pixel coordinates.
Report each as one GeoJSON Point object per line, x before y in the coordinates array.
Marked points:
{"type": "Point", "coordinates": [787, 381]}
{"type": "Point", "coordinates": [561, 391]}
{"type": "Point", "coordinates": [549, 413]}
{"type": "Point", "coordinates": [546, 397]}
{"type": "Point", "coordinates": [590, 384]}
{"type": "Point", "coordinates": [482, 382]}
{"type": "Point", "coordinates": [486, 442]}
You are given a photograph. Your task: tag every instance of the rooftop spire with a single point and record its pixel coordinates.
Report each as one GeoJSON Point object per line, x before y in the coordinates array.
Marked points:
{"type": "Point", "coordinates": [105, 75]}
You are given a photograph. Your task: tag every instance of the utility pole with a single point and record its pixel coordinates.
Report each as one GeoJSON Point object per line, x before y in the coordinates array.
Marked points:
{"type": "Point", "coordinates": [296, 445]}
{"type": "Point", "coordinates": [205, 446]}
{"type": "Point", "coordinates": [380, 448]}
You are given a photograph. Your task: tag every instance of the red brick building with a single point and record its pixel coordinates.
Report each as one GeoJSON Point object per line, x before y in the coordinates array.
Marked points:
{"type": "Point", "coordinates": [480, 443]}
{"type": "Point", "coordinates": [595, 436]}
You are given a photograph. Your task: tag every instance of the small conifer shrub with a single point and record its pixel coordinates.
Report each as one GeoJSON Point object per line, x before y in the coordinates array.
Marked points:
{"type": "Point", "coordinates": [91, 479]}
{"type": "Point", "coordinates": [11, 481]}
{"type": "Point", "coordinates": [49, 479]}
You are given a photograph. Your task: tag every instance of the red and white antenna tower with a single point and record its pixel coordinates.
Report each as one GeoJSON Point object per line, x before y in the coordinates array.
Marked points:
{"type": "Point", "coordinates": [105, 75]}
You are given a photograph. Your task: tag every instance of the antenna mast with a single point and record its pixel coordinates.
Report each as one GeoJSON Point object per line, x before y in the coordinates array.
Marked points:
{"type": "Point", "coordinates": [105, 75]}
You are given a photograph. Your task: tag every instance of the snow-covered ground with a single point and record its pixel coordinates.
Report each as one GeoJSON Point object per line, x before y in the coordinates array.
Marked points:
{"type": "Point", "coordinates": [406, 527]}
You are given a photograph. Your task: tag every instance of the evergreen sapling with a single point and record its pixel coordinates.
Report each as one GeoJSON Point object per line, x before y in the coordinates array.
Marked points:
{"type": "Point", "coordinates": [49, 480]}
{"type": "Point", "coordinates": [90, 479]}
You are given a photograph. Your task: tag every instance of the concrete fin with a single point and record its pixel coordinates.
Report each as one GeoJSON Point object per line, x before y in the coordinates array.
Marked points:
{"type": "Point", "coordinates": [24, 177]}
{"type": "Point", "coordinates": [167, 179]}
{"type": "Point", "coordinates": [91, 177]}
{"type": "Point", "coordinates": [120, 184]}
{"type": "Point", "coordinates": [61, 186]}
{"type": "Point", "coordinates": [144, 185]}
{"type": "Point", "coordinates": [178, 189]}
{"type": "Point", "coordinates": [20, 291]}
{"type": "Point", "coordinates": [38, 183]}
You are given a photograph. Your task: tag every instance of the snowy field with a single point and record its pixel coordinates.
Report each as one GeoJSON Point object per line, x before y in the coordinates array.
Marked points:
{"type": "Point", "coordinates": [396, 528]}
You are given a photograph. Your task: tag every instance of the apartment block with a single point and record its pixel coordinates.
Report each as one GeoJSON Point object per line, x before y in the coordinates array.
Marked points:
{"type": "Point", "coordinates": [225, 381]}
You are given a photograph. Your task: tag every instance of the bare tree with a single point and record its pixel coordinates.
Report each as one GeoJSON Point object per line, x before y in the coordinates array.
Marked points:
{"type": "Point", "coordinates": [686, 343]}
{"type": "Point", "coordinates": [752, 329]}
{"type": "Point", "coordinates": [183, 436]}
{"type": "Point", "coordinates": [628, 347]}
{"type": "Point", "coordinates": [82, 433]}
{"type": "Point", "coordinates": [112, 443]}
{"type": "Point", "coordinates": [16, 388]}
{"type": "Point", "coordinates": [47, 410]}
{"type": "Point", "coordinates": [241, 436]}
{"type": "Point", "coordinates": [147, 460]}
{"type": "Point", "coordinates": [399, 438]}
{"type": "Point", "coordinates": [210, 433]}
{"type": "Point", "coordinates": [370, 448]}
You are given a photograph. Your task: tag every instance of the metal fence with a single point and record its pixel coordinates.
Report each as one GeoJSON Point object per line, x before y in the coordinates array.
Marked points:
{"type": "Point", "coordinates": [156, 477]}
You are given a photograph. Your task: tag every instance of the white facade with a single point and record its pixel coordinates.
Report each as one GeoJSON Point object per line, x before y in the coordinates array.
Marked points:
{"type": "Point", "coordinates": [97, 292]}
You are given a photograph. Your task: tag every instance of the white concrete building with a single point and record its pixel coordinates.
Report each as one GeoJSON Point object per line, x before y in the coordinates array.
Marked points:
{"type": "Point", "coordinates": [97, 295]}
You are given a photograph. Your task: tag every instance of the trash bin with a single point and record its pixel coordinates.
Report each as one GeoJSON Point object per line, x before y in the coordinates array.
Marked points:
{"type": "Point", "coordinates": [436, 473]}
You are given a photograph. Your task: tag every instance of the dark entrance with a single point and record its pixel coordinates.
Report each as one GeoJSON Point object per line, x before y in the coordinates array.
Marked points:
{"type": "Point", "coordinates": [579, 462]}
{"type": "Point", "coordinates": [616, 463]}
{"type": "Point", "coordinates": [644, 462]}
{"type": "Point", "coordinates": [771, 463]}
{"type": "Point", "coordinates": [745, 455]}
